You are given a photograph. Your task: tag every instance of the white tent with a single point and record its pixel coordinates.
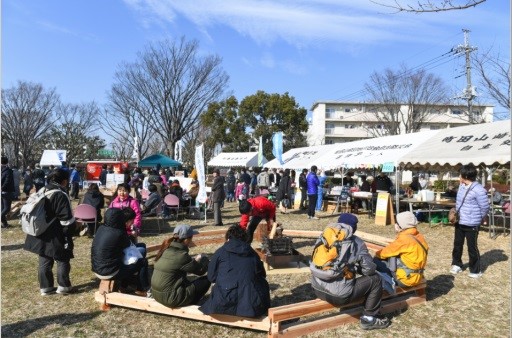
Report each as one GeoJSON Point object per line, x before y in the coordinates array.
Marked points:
{"type": "Point", "coordinates": [227, 160]}
{"type": "Point", "coordinates": [300, 158]}
{"type": "Point", "coordinates": [481, 144]}
{"type": "Point", "coordinates": [53, 157]}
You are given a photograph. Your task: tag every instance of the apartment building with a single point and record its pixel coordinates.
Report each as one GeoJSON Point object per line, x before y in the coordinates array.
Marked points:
{"type": "Point", "coordinates": [337, 122]}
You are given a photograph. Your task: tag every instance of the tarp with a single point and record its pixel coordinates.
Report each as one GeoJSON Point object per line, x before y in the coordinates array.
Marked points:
{"type": "Point", "coordinates": [481, 144]}
{"type": "Point", "coordinates": [227, 160]}
{"type": "Point", "coordinates": [53, 157]}
{"type": "Point", "coordinates": [154, 160]}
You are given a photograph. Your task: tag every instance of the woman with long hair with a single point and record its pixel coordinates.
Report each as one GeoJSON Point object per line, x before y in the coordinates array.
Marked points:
{"type": "Point", "coordinates": [169, 283]}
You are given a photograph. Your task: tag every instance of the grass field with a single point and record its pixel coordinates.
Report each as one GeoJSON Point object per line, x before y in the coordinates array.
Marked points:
{"type": "Point", "coordinates": [457, 306]}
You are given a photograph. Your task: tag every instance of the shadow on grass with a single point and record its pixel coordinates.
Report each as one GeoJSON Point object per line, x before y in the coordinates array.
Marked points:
{"type": "Point", "coordinates": [86, 287]}
{"type": "Point", "coordinates": [439, 286]}
{"type": "Point", "coordinates": [26, 327]}
{"type": "Point", "coordinates": [491, 257]}
{"type": "Point", "coordinates": [12, 247]}
{"type": "Point", "coordinates": [299, 294]}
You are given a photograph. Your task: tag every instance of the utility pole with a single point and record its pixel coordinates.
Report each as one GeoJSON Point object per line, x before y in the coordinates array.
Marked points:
{"type": "Point", "coordinates": [469, 93]}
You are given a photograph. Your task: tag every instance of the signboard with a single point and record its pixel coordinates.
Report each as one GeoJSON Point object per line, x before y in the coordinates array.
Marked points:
{"type": "Point", "coordinates": [113, 180]}
{"type": "Point", "coordinates": [388, 167]}
{"type": "Point", "coordinates": [384, 214]}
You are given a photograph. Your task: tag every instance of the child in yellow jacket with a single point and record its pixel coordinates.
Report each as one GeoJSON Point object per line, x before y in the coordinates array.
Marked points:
{"type": "Point", "coordinates": [406, 257]}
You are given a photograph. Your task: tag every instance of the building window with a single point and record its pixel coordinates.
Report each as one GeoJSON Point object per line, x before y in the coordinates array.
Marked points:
{"type": "Point", "coordinates": [330, 115]}
{"type": "Point", "coordinates": [329, 142]}
{"type": "Point", "coordinates": [330, 110]}
{"type": "Point", "coordinates": [347, 110]}
{"type": "Point", "coordinates": [456, 112]}
{"type": "Point", "coordinates": [349, 126]}
{"type": "Point", "coordinates": [432, 127]}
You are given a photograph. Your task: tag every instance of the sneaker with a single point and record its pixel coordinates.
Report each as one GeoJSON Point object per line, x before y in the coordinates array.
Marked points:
{"type": "Point", "coordinates": [374, 324]}
{"type": "Point", "coordinates": [455, 269]}
{"type": "Point", "coordinates": [314, 217]}
{"type": "Point", "coordinates": [83, 232]}
{"type": "Point", "coordinates": [5, 225]}
{"type": "Point", "coordinates": [64, 290]}
{"type": "Point", "coordinates": [475, 275]}
{"type": "Point", "coordinates": [48, 291]}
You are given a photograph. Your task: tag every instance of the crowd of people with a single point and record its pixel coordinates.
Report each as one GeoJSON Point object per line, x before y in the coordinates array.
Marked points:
{"type": "Point", "coordinates": [235, 269]}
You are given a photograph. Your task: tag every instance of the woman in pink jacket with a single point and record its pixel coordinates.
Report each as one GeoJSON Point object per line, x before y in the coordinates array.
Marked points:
{"type": "Point", "coordinates": [122, 199]}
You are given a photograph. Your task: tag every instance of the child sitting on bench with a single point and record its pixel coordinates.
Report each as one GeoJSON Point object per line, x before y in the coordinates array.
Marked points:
{"type": "Point", "coordinates": [405, 258]}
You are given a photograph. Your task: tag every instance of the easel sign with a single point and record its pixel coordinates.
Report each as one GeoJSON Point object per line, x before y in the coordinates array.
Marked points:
{"type": "Point", "coordinates": [384, 214]}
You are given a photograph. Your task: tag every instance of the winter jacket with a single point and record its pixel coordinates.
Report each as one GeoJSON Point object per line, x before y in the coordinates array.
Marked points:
{"type": "Point", "coordinates": [176, 190]}
{"type": "Point", "coordinates": [303, 184]}
{"type": "Point", "coordinates": [218, 193]}
{"type": "Point", "coordinates": [312, 182]}
{"type": "Point", "coordinates": [246, 178]}
{"type": "Point", "coordinates": [75, 177]}
{"type": "Point", "coordinates": [263, 180]}
{"type": "Point", "coordinates": [7, 180]}
{"type": "Point", "coordinates": [411, 254]}
{"type": "Point", "coordinates": [240, 286]}
{"type": "Point", "coordinates": [97, 200]}
{"type": "Point", "coordinates": [284, 188]}
{"type": "Point", "coordinates": [333, 282]}
{"type": "Point", "coordinates": [169, 283]}
{"type": "Point", "coordinates": [152, 202]}
{"type": "Point", "coordinates": [108, 245]}
{"type": "Point", "coordinates": [103, 176]}
{"type": "Point", "coordinates": [56, 242]}
{"type": "Point", "coordinates": [129, 202]}
{"type": "Point", "coordinates": [241, 189]}
{"type": "Point", "coordinates": [261, 207]}
{"type": "Point", "coordinates": [383, 183]}
{"type": "Point", "coordinates": [230, 182]}
{"type": "Point", "coordinates": [366, 186]}
{"type": "Point", "coordinates": [475, 206]}
{"type": "Point", "coordinates": [38, 177]}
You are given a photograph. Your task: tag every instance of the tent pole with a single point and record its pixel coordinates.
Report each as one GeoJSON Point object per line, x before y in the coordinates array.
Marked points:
{"type": "Point", "coordinates": [397, 191]}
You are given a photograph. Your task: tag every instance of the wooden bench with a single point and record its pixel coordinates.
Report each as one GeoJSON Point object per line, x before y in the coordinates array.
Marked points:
{"type": "Point", "coordinates": [348, 313]}
{"type": "Point", "coordinates": [328, 316]}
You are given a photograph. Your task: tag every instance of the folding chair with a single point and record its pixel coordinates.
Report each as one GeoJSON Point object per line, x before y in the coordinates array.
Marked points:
{"type": "Point", "coordinates": [172, 202]}
{"type": "Point", "coordinates": [85, 213]}
{"type": "Point", "coordinates": [159, 213]}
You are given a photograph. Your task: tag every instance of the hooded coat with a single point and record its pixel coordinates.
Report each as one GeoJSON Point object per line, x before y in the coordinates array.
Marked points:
{"type": "Point", "coordinates": [332, 281]}
{"type": "Point", "coordinates": [56, 242]}
{"type": "Point", "coordinates": [108, 244]}
{"type": "Point", "coordinates": [240, 286]}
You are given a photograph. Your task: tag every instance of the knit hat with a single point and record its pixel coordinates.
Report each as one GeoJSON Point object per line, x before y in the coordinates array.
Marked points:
{"type": "Point", "coordinates": [184, 231]}
{"type": "Point", "coordinates": [349, 219]}
{"type": "Point", "coordinates": [406, 220]}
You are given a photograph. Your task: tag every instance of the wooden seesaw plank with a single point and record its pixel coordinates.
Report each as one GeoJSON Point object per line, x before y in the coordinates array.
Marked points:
{"type": "Point", "coordinates": [188, 312]}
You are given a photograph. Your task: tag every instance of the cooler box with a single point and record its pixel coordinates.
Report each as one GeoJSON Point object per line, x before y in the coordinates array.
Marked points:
{"type": "Point", "coordinates": [427, 195]}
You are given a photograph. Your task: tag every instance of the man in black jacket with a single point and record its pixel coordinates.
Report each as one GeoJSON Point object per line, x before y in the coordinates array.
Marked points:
{"type": "Point", "coordinates": [303, 185]}
{"type": "Point", "coordinates": [38, 175]}
{"type": "Point", "coordinates": [7, 190]}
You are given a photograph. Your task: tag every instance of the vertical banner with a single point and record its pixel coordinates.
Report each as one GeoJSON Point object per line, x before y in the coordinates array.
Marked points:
{"type": "Point", "coordinates": [180, 142]}
{"type": "Point", "coordinates": [199, 164]}
{"type": "Point", "coordinates": [136, 149]}
{"type": "Point", "coordinates": [277, 146]}
{"type": "Point", "coordinates": [260, 152]}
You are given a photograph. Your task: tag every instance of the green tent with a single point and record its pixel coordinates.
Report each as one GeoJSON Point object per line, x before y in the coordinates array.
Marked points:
{"type": "Point", "coordinates": [154, 160]}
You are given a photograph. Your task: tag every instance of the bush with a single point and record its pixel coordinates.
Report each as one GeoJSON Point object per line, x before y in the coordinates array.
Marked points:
{"type": "Point", "coordinates": [441, 185]}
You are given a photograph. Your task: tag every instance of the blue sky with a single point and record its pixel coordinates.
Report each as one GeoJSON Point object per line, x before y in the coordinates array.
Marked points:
{"type": "Point", "coordinates": [315, 50]}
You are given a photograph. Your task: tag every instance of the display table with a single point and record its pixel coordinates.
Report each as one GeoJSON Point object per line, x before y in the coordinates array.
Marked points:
{"type": "Point", "coordinates": [428, 206]}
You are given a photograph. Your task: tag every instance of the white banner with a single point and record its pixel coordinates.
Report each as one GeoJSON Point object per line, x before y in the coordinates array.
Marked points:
{"type": "Point", "coordinates": [199, 164]}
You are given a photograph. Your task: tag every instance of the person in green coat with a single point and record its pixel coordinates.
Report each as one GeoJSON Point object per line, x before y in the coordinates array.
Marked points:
{"type": "Point", "coordinates": [169, 283]}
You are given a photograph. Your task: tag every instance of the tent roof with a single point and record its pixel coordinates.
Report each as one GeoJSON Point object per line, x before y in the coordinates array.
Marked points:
{"type": "Point", "coordinates": [249, 159]}
{"type": "Point", "coordinates": [486, 143]}
{"type": "Point", "coordinates": [53, 157]}
{"type": "Point", "coordinates": [371, 153]}
{"type": "Point", "coordinates": [153, 160]}
{"type": "Point", "coordinates": [300, 158]}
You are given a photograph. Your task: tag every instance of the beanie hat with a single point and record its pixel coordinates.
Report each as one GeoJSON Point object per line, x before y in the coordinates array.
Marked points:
{"type": "Point", "coordinates": [406, 220]}
{"type": "Point", "coordinates": [349, 219]}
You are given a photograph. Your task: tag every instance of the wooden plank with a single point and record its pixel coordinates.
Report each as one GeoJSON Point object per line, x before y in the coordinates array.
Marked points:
{"type": "Point", "coordinates": [188, 312]}
{"type": "Point", "coordinates": [367, 237]}
{"type": "Point", "coordinates": [349, 316]}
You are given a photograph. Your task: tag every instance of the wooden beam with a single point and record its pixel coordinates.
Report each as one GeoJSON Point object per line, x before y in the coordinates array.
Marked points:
{"type": "Point", "coordinates": [367, 237]}
{"type": "Point", "coordinates": [188, 312]}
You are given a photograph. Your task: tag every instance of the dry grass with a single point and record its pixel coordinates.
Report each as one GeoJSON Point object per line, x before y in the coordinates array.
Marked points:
{"type": "Point", "coordinates": [457, 306]}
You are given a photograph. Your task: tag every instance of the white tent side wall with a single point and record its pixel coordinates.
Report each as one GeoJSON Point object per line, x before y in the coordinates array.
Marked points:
{"type": "Point", "coordinates": [226, 160]}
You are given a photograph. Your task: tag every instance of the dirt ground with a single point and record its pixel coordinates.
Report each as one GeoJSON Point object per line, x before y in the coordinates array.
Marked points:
{"type": "Point", "coordinates": [457, 306]}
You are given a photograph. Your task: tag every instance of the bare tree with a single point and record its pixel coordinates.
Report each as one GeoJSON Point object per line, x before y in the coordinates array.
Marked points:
{"type": "Point", "coordinates": [77, 124]}
{"type": "Point", "coordinates": [494, 76]}
{"type": "Point", "coordinates": [27, 113]}
{"type": "Point", "coordinates": [429, 6]}
{"type": "Point", "coordinates": [404, 100]}
{"type": "Point", "coordinates": [168, 87]}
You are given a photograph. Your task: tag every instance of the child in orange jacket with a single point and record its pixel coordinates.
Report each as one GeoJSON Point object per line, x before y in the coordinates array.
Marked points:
{"type": "Point", "coordinates": [406, 257]}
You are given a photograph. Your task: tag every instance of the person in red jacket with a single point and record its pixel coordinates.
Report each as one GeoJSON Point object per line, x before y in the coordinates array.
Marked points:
{"type": "Point", "coordinates": [253, 210]}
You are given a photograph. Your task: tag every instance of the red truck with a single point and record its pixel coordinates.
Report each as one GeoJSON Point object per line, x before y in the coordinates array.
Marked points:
{"type": "Point", "coordinates": [93, 168]}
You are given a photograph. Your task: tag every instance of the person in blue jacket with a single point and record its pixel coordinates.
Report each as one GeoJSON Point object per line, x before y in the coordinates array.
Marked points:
{"type": "Point", "coordinates": [240, 286]}
{"type": "Point", "coordinates": [312, 182]}
{"type": "Point", "coordinates": [321, 179]}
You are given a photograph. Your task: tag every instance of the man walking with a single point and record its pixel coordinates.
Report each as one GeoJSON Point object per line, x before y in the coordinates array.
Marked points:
{"type": "Point", "coordinates": [75, 181]}
{"type": "Point", "coordinates": [7, 190]}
